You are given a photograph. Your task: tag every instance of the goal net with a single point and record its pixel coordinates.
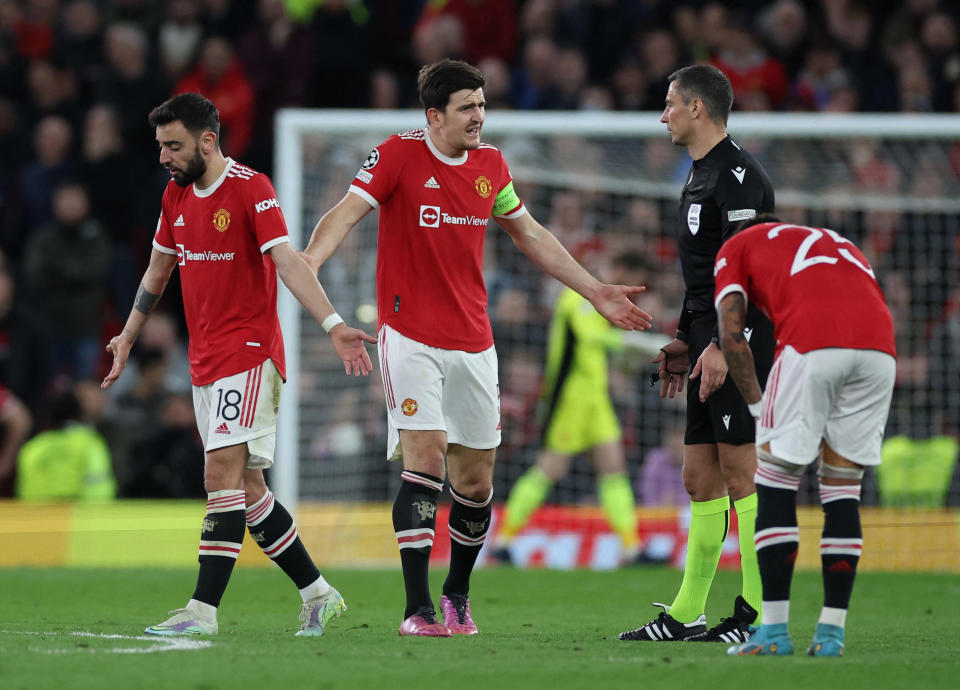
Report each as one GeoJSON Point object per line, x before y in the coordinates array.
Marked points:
{"type": "Point", "coordinates": [608, 183]}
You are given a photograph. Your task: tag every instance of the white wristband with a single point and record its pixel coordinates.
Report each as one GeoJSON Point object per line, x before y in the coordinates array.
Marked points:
{"type": "Point", "coordinates": [333, 320]}
{"type": "Point", "coordinates": [755, 408]}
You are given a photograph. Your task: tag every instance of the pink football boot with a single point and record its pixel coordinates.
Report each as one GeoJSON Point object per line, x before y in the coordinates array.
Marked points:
{"type": "Point", "coordinates": [424, 623]}
{"type": "Point", "coordinates": [456, 614]}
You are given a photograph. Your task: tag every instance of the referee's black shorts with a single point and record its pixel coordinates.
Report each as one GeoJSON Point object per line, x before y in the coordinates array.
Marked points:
{"type": "Point", "coordinates": [724, 418]}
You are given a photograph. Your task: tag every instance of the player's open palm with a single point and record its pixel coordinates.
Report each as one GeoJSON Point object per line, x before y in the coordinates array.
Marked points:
{"type": "Point", "coordinates": [349, 344]}
{"type": "Point", "coordinates": [120, 348]}
{"type": "Point", "coordinates": [613, 302]}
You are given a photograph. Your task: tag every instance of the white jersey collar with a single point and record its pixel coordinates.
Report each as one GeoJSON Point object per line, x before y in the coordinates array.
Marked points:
{"type": "Point", "coordinates": [202, 193]}
{"type": "Point", "coordinates": [439, 156]}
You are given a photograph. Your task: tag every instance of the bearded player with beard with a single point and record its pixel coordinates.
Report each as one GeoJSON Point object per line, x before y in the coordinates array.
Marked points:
{"type": "Point", "coordinates": [219, 222]}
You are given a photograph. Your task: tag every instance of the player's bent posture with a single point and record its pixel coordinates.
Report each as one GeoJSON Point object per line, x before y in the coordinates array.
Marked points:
{"type": "Point", "coordinates": [436, 189]}
{"type": "Point", "coordinates": [219, 220]}
{"type": "Point", "coordinates": [578, 415]}
{"type": "Point", "coordinates": [725, 185]}
{"type": "Point", "coordinates": [828, 395]}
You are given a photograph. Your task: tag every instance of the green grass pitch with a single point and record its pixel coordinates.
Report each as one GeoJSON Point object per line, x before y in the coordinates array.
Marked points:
{"type": "Point", "coordinates": [538, 629]}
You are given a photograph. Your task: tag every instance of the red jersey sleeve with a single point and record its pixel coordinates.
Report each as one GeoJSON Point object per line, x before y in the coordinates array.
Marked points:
{"type": "Point", "coordinates": [377, 178]}
{"type": "Point", "coordinates": [728, 271]}
{"type": "Point", "coordinates": [266, 218]}
{"type": "Point", "coordinates": [163, 236]}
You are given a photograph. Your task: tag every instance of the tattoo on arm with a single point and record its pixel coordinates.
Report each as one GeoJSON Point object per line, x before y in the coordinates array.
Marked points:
{"type": "Point", "coordinates": [741, 368]}
{"type": "Point", "coordinates": [145, 301]}
{"type": "Point", "coordinates": [736, 349]}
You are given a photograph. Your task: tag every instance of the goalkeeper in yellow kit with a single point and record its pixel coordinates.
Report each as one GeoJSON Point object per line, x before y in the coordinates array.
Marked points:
{"type": "Point", "coordinates": [578, 416]}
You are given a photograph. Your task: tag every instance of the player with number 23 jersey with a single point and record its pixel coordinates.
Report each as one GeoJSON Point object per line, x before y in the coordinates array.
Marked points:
{"type": "Point", "coordinates": [776, 265]}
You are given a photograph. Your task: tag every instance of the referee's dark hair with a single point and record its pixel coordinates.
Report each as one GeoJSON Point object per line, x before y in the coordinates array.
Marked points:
{"type": "Point", "coordinates": [708, 84]}
{"type": "Point", "coordinates": [197, 113]}
{"type": "Point", "coordinates": [436, 82]}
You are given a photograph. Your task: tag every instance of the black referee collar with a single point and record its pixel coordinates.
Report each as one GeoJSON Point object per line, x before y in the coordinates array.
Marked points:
{"type": "Point", "coordinates": [724, 144]}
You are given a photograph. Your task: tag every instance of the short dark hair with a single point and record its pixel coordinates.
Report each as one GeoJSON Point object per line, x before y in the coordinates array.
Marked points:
{"type": "Point", "coordinates": [197, 113]}
{"type": "Point", "coordinates": [708, 84]}
{"type": "Point", "coordinates": [64, 408]}
{"type": "Point", "coordinates": [631, 260]}
{"type": "Point", "coordinates": [72, 183]}
{"type": "Point", "coordinates": [436, 82]}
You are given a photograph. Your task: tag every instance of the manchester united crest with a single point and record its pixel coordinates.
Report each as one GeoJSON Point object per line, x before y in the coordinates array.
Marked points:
{"type": "Point", "coordinates": [409, 407]}
{"type": "Point", "coordinates": [221, 220]}
{"type": "Point", "coordinates": [483, 186]}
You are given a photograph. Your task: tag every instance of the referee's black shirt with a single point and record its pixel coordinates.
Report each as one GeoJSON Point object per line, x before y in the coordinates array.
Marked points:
{"type": "Point", "coordinates": [724, 187]}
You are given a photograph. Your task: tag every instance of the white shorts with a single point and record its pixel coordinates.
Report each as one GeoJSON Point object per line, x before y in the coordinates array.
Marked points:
{"type": "Point", "coordinates": [241, 409]}
{"type": "Point", "coordinates": [429, 388]}
{"type": "Point", "coordinates": [838, 395]}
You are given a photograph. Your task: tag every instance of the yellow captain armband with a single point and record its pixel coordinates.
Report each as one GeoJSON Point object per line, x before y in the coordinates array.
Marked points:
{"type": "Point", "coordinates": [506, 201]}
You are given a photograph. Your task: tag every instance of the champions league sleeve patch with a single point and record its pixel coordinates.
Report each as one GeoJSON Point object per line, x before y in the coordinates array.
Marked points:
{"type": "Point", "coordinates": [372, 160]}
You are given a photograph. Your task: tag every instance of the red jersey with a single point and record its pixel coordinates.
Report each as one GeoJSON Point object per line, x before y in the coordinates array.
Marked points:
{"type": "Point", "coordinates": [814, 285]}
{"type": "Point", "coordinates": [220, 235]}
{"type": "Point", "coordinates": [434, 212]}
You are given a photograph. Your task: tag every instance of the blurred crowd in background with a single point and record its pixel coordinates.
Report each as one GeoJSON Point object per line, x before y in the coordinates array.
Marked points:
{"type": "Point", "coordinates": [80, 185]}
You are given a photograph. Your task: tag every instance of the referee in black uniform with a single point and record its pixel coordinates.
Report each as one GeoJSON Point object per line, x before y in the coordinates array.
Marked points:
{"type": "Point", "coordinates": [725, 185]}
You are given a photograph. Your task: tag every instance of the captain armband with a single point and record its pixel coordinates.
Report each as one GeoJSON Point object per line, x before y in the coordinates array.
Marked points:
{"type": "Point", "coordinates": [506, 201]}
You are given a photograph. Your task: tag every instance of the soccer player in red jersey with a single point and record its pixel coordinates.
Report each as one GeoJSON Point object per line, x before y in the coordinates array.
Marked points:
{"type": "Point", "coordinates": [828, 395]}
{"type": "Point", "coordinates": [436, 189]}
{"type": "Point", "coordinates": [219, 222]}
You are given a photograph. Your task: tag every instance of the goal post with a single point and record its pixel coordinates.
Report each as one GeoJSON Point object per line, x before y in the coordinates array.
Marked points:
{"type": "Point", "coordinates": [890, 182]}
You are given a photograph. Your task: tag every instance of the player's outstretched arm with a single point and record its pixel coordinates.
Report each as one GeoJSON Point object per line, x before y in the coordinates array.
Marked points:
{"type": "Point", "coordinates": [332, 228]}
{"type": "Point", "coordinates": [613, 302]}
{"type": "Point", "coordinates": [545, 250]}
{"type": "Point", "coordinates": [302, 282]}
{"type": "Point", "coordinates": [731, 318]}
{"type": "Point", "coordinates": [154, 282]}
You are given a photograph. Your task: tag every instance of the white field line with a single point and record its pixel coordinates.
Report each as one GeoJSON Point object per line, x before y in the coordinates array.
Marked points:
{"type": "Point", "coordinates": [158, 644]}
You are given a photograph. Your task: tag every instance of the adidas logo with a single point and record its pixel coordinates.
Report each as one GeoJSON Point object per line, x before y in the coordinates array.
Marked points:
{"type": "Point", "coordinates": [179, 223]}
{"type": "Point", "coordinates": [431, 183]}
{"type": "Point", "coordinates": [726, 421]}
{"type": "Point", "coordinates": [222, 429]}
{"type": "Point", "coordinates": [841, 567]}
